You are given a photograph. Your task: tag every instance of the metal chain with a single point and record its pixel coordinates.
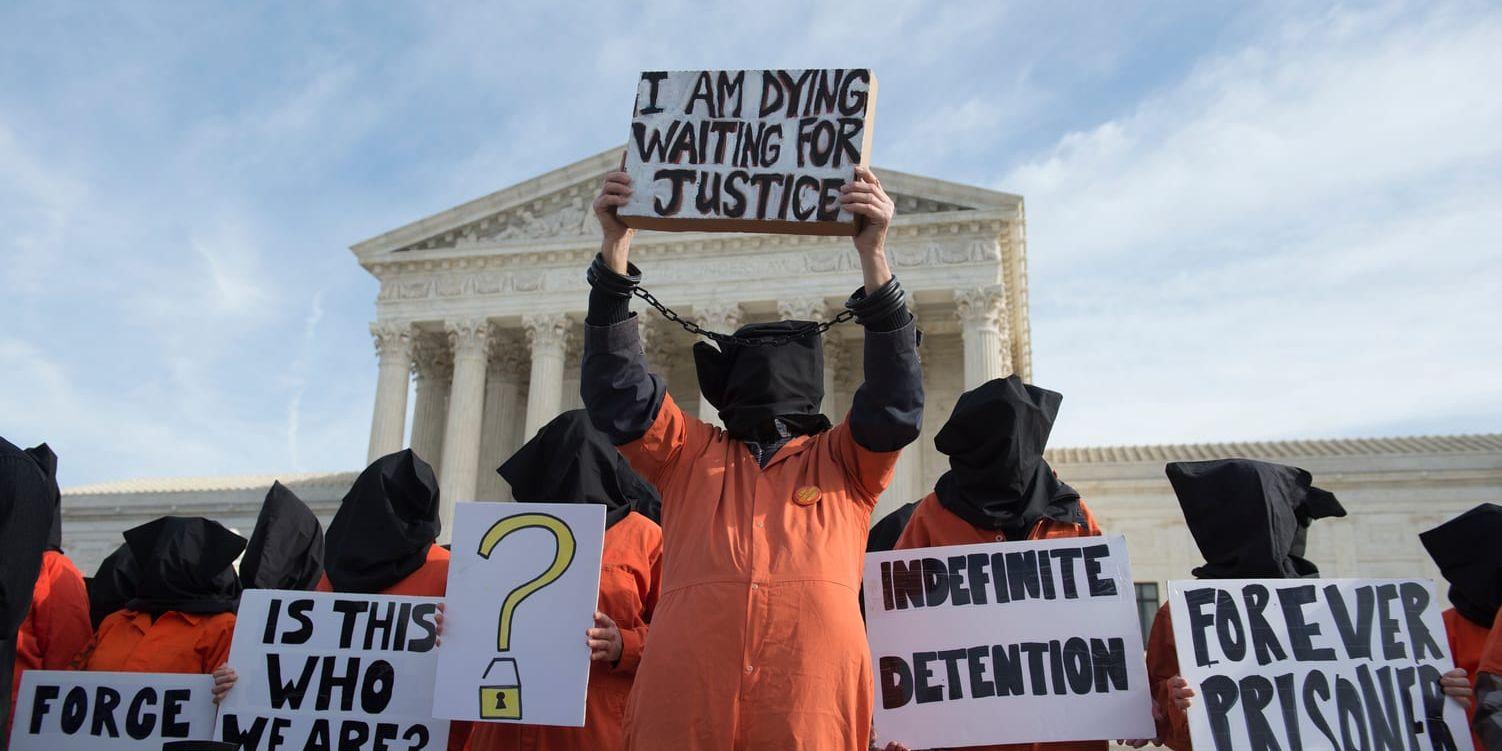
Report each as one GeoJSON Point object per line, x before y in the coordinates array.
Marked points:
{"type": "Point", "coordinates": [745, 341]}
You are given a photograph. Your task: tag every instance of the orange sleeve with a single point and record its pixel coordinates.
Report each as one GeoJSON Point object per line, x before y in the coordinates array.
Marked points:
{"type": "Point", "coordinates": [1163, 665]}
{"type": "Point", "coordinates": [870, 471]}
{"type": "Point", "coordinates": [634, 639]}
{"type": "Point", "coordinates": [1092, 527]}
{"type": "Point", "coordinates": [62, 618]}
{"type": "Point", "coordinates": [656, 453]}
{"type": "Point", "coordinates": [214, 641]}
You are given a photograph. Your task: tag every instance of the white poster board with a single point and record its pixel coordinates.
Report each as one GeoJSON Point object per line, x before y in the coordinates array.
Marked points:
{"type": "Point", "coordinates": [333, 671]}
{"type": "Point", "coordinates": [524, 583]}
{"type": "Point", "coordinates": [1315, 663]}
{"type": "Point", "coordinates": [747, 150]}
{"type": "Point", "coordinates": [1008, 642]}
{"type": "Point", "coordinates": [66, 710]}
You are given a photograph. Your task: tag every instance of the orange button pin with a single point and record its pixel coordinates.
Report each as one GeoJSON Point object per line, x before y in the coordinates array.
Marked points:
{"type": "Point", "coordinates": [807, 495]}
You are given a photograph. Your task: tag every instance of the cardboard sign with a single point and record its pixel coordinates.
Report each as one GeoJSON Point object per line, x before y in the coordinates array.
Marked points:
{"type": "Point", "coordinates": [1009, 642]}
{"type": "Point", "coordinates": [523, 587]}
{"type": "Point", "coordinates": [321, 671]}
{"type": "Point", "coordinates": [65, 710]}
{"type": "Point", "coordinates": [1315, 663]}
{"type": "Point", "coordinates": [748, 150]}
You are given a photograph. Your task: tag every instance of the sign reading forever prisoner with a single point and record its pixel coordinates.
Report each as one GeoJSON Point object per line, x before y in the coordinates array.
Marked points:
{"type": "Point", "coordinates": [65, 710]}
{"type": "Point", "coordinates": [1009, 642]}
{"type": "Point", "coordinates": [1315, 663]}
{"type": "Point", "coordinates": [323, 671]}
{"type": "Point", "coordinates": [748, 150]}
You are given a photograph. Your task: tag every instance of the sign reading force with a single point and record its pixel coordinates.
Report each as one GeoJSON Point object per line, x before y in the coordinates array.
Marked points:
{"type": "Point", "coordinates": [326, 671]}
{"type": "Point", "coordinates": [748, 150]}
{"type": "Point", "coordinates": [64, 710]}
{"type": "Point", "coordinates": [1305, 663]}
{"type": "Point", "coordinates": [1012, 642]}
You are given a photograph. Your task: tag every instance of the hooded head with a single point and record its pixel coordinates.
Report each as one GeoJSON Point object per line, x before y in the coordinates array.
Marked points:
{"type": "Point", "coordinates": [384, 526]}
{"type": "Point", "coordinates": [286, 548]}
{"type": "Point", "coordinates": [570, 461]}
{"type": "Point", "coordinates": [1468, 551]}
{"type": "Point", "coordinates": [750, 385]}
{"type": "Point", "coordinates": [184, 563]}
{"type": "Point", "coordinates": [997, 476]}
{"type": "Point", "coordinates": [47, 461]}
{"type": "Point", "coordinates": [27, 512]}
{"type": "Point", "coordinates": [1248, 517]}
{"type": "Point", "coordinates": [113, 585]}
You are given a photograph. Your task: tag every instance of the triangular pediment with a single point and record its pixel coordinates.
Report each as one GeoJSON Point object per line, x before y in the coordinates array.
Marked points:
{"type": "Point", "coordinates": [556, 206]}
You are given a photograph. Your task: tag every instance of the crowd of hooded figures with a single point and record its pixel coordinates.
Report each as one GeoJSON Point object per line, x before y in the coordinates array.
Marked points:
{"type": "Point", "coordinates": [728, 616]}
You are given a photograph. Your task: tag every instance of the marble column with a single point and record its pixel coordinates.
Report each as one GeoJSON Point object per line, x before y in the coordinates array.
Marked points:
{"type": "Point", "coordinates": [573, 361]}
{"type": "Point", "coordinates": [984, 332]}
{"type": "Point", "coordinates": [393, 343]}
{"type": "Point", "coordinates": [547, 336]}
{"type": "Point", "coordinates": [470, 341]}
{"type": "Point", "coordinates": [505, 409]}
{"type": "Point", "coordinates": [434, 367]}
{"type": "Point", "coordinates": [725, 318]}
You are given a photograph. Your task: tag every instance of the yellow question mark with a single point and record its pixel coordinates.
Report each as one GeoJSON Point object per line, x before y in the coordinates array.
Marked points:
{"type": "Point", "coordinates": [562, 535]}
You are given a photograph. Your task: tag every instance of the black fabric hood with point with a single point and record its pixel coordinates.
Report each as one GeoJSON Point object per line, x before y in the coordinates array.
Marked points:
{"type": "Point", "coordinates": [184, 563]}
{"type": "Point", "coordinates": [286, 547]}
{"type": "Point", "coordinates": [569, 461]}
{"type": "Point", "coordinates": [997, 476]}
{"type": "Point", "coordinates": [1468, 551]}
{"type": "Point", "coordinates": [384, 526]}
{"type": "Point", "coordinates": [1248, 517]}
{"type": "Point", "coordinates": [751, 385]}
{"type": "Point", "coordinates": [46, 459]}
{"type": "Point", "coordinates": [112, 585]}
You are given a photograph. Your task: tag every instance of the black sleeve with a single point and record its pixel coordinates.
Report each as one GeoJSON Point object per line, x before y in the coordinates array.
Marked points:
{"type": "Point", "coordinates": [621, 396]}
{"type": "Point", "coordinates": [1489, 710]}
{"type": "Point", "coordinates": [886, 412]}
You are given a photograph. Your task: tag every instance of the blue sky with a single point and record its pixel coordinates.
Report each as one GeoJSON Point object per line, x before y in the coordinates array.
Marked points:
{"type": "Point", "coordinates": [1245, 221]}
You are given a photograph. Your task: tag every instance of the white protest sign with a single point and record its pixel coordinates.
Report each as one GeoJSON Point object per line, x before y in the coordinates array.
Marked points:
{"type": "Point", "coordinates": [748, 150]}
{"type": "Point", "coordinates": [321, 670]}
{"type": "Point", "coordinates": [66, 710]}
{"type": "Point", "coordinates": [1315, 663]}
{"type": "Point", "coordinates": [1009, 642]}
{"type": "Point", "coordinates": [523, 587]}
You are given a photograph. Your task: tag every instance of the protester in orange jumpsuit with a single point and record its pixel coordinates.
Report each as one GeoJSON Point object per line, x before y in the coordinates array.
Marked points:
{"type": "Point", "coordinates": [569, 461]}
{"type": "Point", "coordinates": [757, 642]}
{"type": "Point", "coordinates": [1249, 519]}
{"type": "Point", "coordinates": [182, 616]}
{"type": "Point", "coordinates": [57, 628]}
{"type": "Point", "coordinates": [1468, 551]}
{"type": "Point", "coordinates": [26, 514]}
{"type": "Point", "coordinates": [999, 487]}
{"type": "Point", "coordinates": [286, 547]}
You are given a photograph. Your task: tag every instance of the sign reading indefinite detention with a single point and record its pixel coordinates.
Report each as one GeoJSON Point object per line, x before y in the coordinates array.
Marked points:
{"type": "Point", "coordinates": [748, 150]}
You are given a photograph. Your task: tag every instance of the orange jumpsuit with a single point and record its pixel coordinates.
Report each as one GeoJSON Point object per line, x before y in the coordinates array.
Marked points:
{"type": "Point", "coordinates": [1467, 641]}
{"type": "Point", "coordinates": [933, 526]}
{"type": "Point", "coordinates": [629, 576]}
{"type": "Point", "coordinates": [1488, 681]}
{"type": "Point", "coordinates": [176, 642]}
{"type": "Point", "coordinates": [57, 628]}
{"type": "Point", "coordinates": [758, 636]}
{"type": "Point", "coordinates": [1162, 665]}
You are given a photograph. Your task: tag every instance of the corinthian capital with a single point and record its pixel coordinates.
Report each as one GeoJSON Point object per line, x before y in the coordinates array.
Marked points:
{"type": "Point", "coordinates": [508, 357]}
{"type": "Point", "coordinates": [393, 339]}
{"type": "Point", "coordinates": [724, 317]}
{"type": "Point", "coordinates": [980, 306]}
{"type": "Point", "coordinates": [469, 337]}
{"type": "Point", "coordinates": [803, 309]}
{"type": "Point", "coordinates": [546, 330]}
{"type": "Point", "coordinates": [431, 358]}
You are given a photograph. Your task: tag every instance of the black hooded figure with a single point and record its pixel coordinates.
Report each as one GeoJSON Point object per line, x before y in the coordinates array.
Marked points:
{"type": "Point", "coordinates": [113, 585]}
{"type": "Point", "coordinates": [570, 461]}
{"type": "Point", "coordinates": [997, 476]}
{"type": "Point", "coordinates": [27, 508]}
{"type": "Point", "coordinates": [1468, 551]}
{"type": "Point", "coordinates": [1250, 518]}
{"type": "Point", "coordinates": [46, 459]}
{"type": "Point", "coordinates": [385, 525]}
{"type": "Point", "coordinates": [286, 548]}
{"type": "Point", "coordinates": [184, 564]}
{"type": "Point", "coordinates": [766, 394]}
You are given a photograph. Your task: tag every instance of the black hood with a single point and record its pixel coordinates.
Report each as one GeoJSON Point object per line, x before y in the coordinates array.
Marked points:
{"type": "Point", "coordinates": [997, 476]}
{"type": "Point", "coordinates": [47, 461]}
{"type": "Point", "coordinates": [1249, 517]}
{"type": "Point", "coordinates": [883, 535]}
{"type": "Point", "coordinates": [113, 585]}
{"type": "Point", "coordinates": [569, 461]}
{"type": "Point", "coordinates": [384, 526]}
{"type": "Point", "coordinates": [751, 385]}
{"type": "Point", "coordinates": [1468, 551]}
{"type": "Point", "coordinates": [286, 548]}
{"type": "Point", "coordinates": [26, 514]}
{"type": "Point", "coordinates": [184, 563]}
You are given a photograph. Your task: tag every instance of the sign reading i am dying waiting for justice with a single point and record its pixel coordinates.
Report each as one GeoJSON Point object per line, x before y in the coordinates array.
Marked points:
{"type": "Point", "coordinates": [1315, 663]}
{"type": "Point", "coordinates": [326, 671]}
{"type": "Point", "coordinates": [67, 710]}
{"type": "Point", "coordinates": [1009, 642]}
{"type": "Point", "coordinates": [748, 150]}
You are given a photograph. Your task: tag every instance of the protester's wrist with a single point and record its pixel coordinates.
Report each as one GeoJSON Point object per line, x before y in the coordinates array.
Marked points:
{"type": "Point", "coordinates": [885, 309]}
{"type": "Point", "coordinates": [615, 251]}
